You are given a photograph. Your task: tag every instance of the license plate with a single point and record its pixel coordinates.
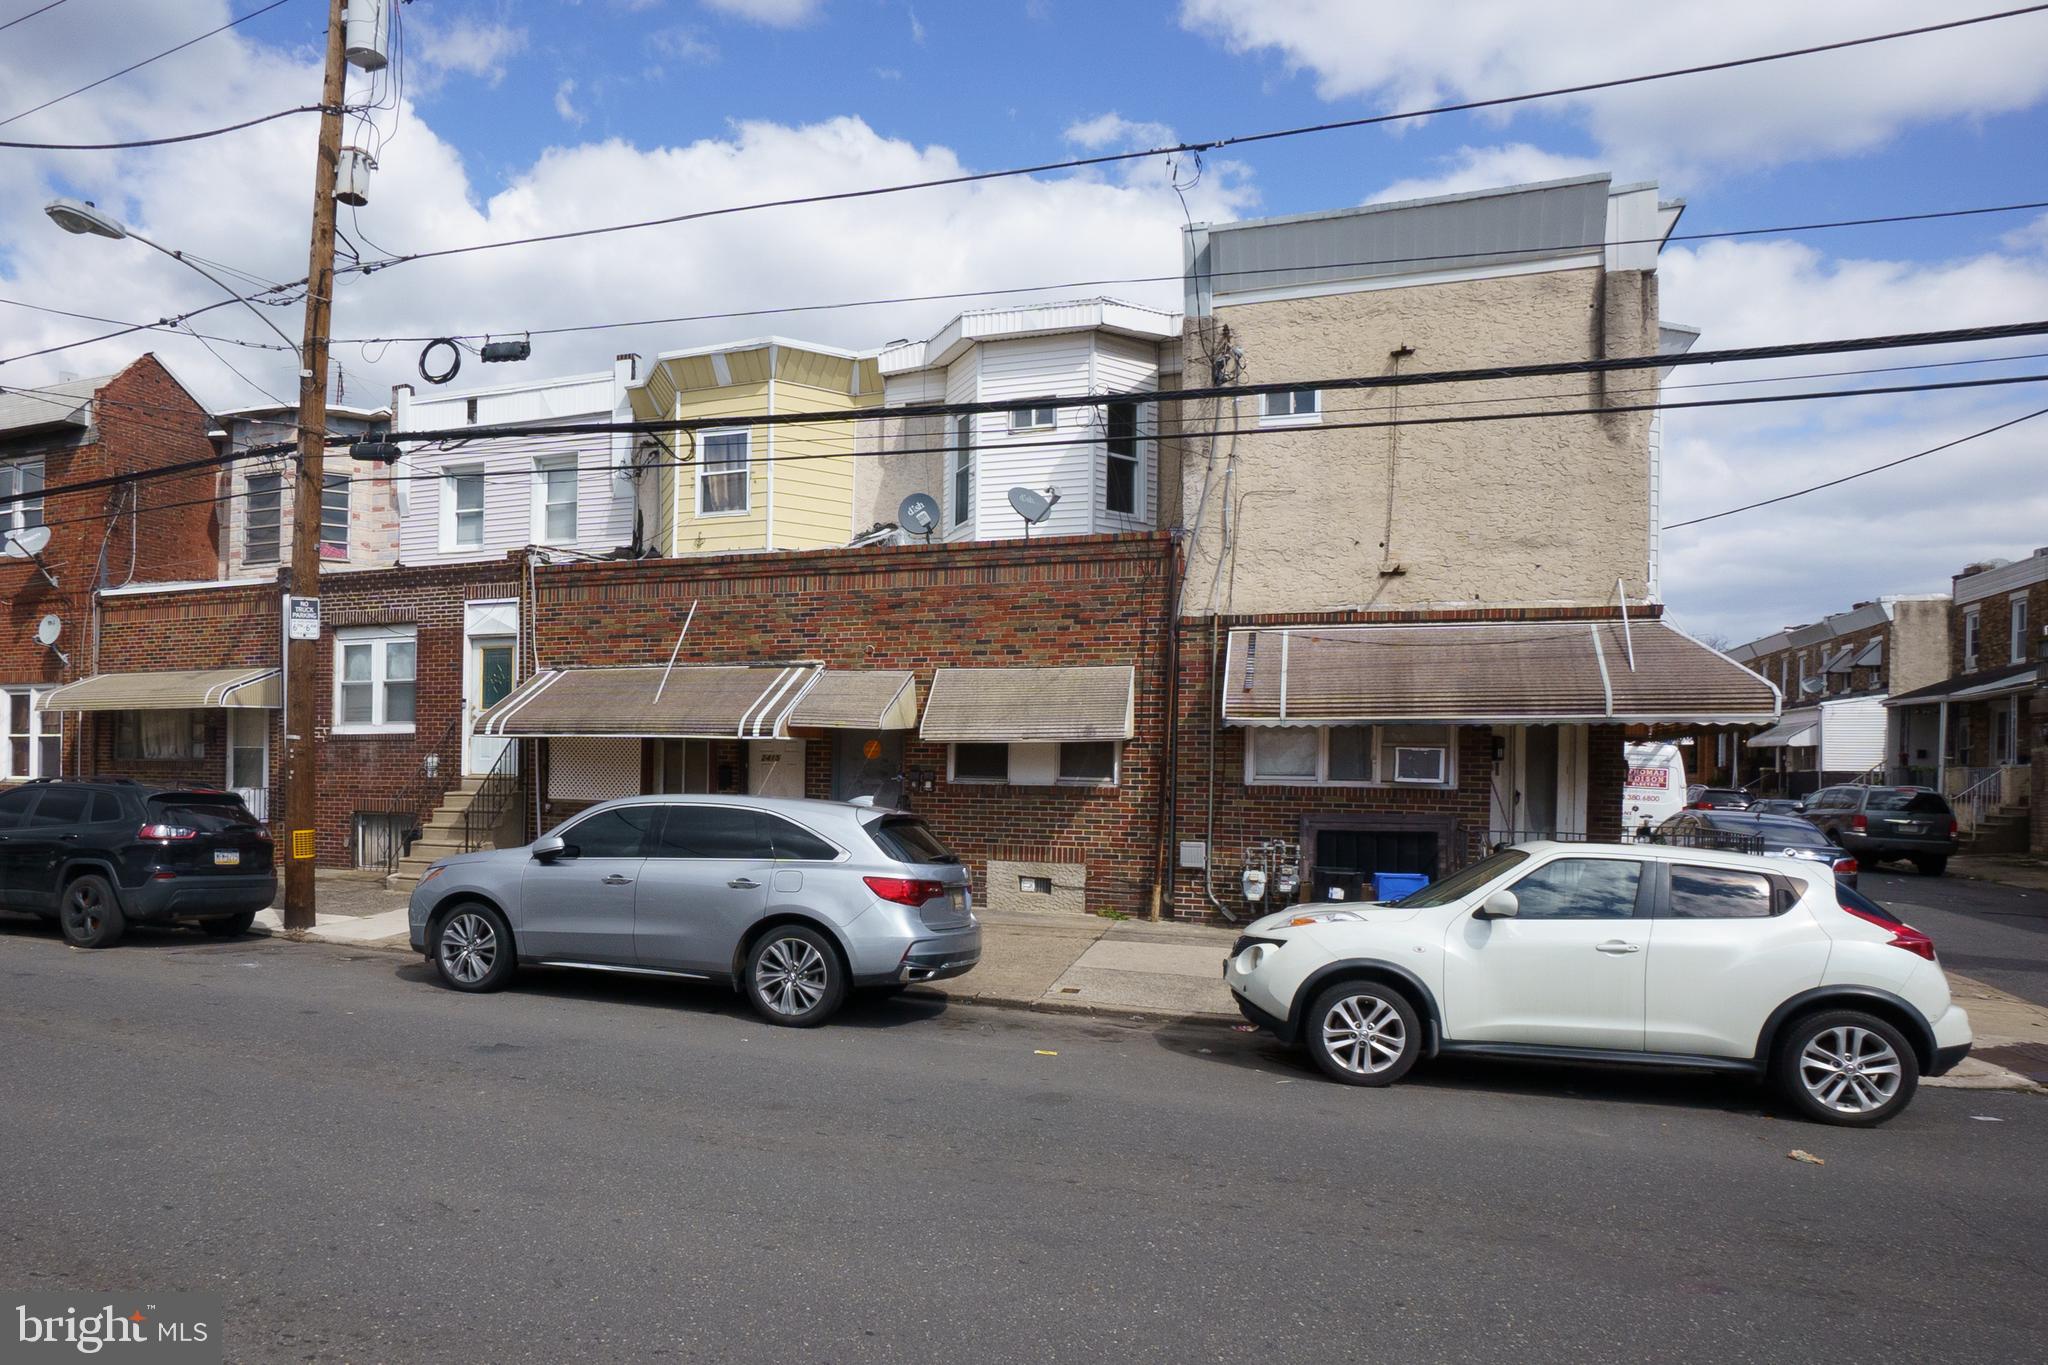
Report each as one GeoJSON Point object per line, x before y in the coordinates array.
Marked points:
{"type": "Point", "coordinates": [957, 898]}
{"type": "Point", "coordinates": [227, 857]}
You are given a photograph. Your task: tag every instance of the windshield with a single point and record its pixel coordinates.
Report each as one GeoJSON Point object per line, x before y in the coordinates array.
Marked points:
{"type": "Point", "coordinates": [1459, 883]}
{"type": "Point", "coordinates": [205, 813]}
{"type": "Point", "coordinates": [1911, 802]}
{"type": "Point", "coordinates": [908, 839]}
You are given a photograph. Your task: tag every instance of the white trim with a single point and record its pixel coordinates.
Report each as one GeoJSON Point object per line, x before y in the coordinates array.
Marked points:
{"type": "Point", "coordinates": [2017, 624]}
{"type": "Point", "coordinates": [537, 502]}
{"type": "Point", "coordinates": [35, 734]}
{"type": "Point", "coordinates": [746, 473]}
{"type": "Point", "coordinates": [768, 492]}
{"type": "Point", "coordinates": [449, 545]}
{"type": "Point", "coordinates": [1032, 410]}
{"type": "Point", "coordinates": [1281, 293]}
{"type": "Point", "coordinates": [954, 780]}
{"type": "Point", "coordinates": [1382, 754]}
{"type": "Point", "coordinates": [379, 638]}
{"type": "Point", "coordinates": [1268, 418]}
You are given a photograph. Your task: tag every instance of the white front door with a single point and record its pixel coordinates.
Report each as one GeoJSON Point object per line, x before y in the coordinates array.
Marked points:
{"type": "Point", "coordinates": [249, 758]}
{"type": "Point", "coordinates": [775, 767]}
{"type": "Point", "coordinates": [486, 681]}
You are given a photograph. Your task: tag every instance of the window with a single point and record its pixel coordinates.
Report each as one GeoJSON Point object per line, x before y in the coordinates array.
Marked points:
{"type": "Point", "coordinates": [981, 763]}
{"type": "Point", "coordinates": [1034, 419]}
{"type": "Point", "coordinates": [712, 832]}
{"type": "Point", "coordinates": [1580, 888]}
{"type": "Point", "coordinates": [682, 766]}
{"type": "Point", "coordinates": [469, 411]}
{"type": "Point", "coordinates": [266, 501]}
{"type": "Point", "coordinates": [334, 493]}
{"type": "Point", "coordinates": [35, 742]}
{"type": "Point", "coordinates": [14, 805]}
{"type": "Point", "coordinates": [106, 808]}
{"type": "Point", "coordinates": [554, 501]}
{"type": "Point", "coordinates": [1970, 638]}
{"type": "Point", "coordinates": [159, 734]}
{"type": "Point", "coordinates": [375, 671]}
{"type": "Point", "coordinates": [60, 806]}
{"type": "Point", "coordinates": [623, 832]}
{"type": "Point", "coordinates": [1120, 445]}
{"type": "Point", "coordinates": [1322, 756]}
{"type": "Point", "coordinates": [2019, 628]}
{"type": "Point", "coordinates": [1719, 893]}
{"type": "Point", "coordinates": [1426, 765]}
{"type": "Point", "coordinates": [1292, 405]}
{"type": "Point", "coordinates": [23, 479]}
{"type": "Point", "coordinates": [462, 514]}
{"type": "Point", "coordinates": [722, 473]}
{"type": "Point", "coordinates": [795, 842]}
{"type": "Point", "coordinates": [1089, 765]}
{"type": "Point", "coordinates": [908, 839]}
{"type": "Point", "coordinates": [963, 469]}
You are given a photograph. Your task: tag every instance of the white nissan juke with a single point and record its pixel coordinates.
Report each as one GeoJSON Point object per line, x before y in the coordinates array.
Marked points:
{"type": "Point", "coordinates": [1630, 953]}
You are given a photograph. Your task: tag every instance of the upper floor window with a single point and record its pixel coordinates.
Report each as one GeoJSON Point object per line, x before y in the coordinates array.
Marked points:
{"type": "Point", "coordinates": [1120, 446]}
{"type": "Point", "coordinates": [375, 671]}
{"type": "Point", "coordinates": [1970, 638]}
{"type": "Point", "coordinates": [2019, 628]}
{"type": "Point", "coordinates": [334, 517]}
{"type": "Point", "coordinates": [21, 479]}
{"type": "Point", "coordinates": [554, 500]}
{"type": "Point", "coordinates": [1034, 419]}
{"type": "Point", "coordinates": [722, 472]}
{"type": "Point", "coordinates": [962, 456]}
{"type": "Point", "coordinates": [266, 502]}
{"type": "Point", "coordinates": [462, 509]}
{"type": "Point", "coordinates": [1291, 405]}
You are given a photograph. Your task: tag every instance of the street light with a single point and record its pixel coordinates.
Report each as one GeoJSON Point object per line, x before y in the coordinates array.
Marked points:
{"type": "Point", "coordinates": [82, 218]}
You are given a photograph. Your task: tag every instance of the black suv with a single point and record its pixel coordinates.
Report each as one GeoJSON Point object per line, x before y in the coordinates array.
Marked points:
{"type": "Point", "coordinates": [97, 856]}
{"type": "Point", "coordinates": [1876, 823]}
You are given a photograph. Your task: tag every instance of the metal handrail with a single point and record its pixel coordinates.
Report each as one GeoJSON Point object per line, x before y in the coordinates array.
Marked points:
{"type": "Point", "coordinates": [494, 796]}
{"type": "Point", "coordinates": [419, 796]}
{"type": "Point", "coordinates": [1977, 800]}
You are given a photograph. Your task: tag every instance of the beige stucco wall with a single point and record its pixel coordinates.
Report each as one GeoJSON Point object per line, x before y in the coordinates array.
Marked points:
{"type": "Point", "coordinates": [1918, 652]}
{"type": "Point", "coordinates": [1534, 512]}
{"type": "Point", "coordinates": [881, 484]}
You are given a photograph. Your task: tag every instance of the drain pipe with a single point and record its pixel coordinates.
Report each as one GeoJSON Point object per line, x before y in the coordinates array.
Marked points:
{"type": "Point", "coordinates": [1216, 704]}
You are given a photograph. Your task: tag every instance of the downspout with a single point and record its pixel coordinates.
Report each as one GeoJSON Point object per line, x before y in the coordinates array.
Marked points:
{"type": "Point", "coordinates": [768, 524]}
{"type": "Point", "coordinates": [1162, 830]}
{"type": "Point", "coordinates": [1224, 549]}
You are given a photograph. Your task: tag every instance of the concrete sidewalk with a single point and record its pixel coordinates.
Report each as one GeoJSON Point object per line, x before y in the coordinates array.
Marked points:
{"type": "Point", "coordinates": [2017, 869]}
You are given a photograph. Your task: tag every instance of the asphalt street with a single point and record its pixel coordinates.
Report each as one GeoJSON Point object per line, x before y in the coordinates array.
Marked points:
{"type": "Point", "coordinates": [372, 1168]}
{"type": "Point", "coordinates": [1997, 934]}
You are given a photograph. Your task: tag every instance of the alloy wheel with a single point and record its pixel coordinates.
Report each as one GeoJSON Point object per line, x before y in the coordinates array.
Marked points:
{"type": "Point", "coordinates": [469, 948]}
{"type": "Point", "coordinates": [1364, 1034]}
{"type": "Point", "coordinates": [85, 910]}
{"type": "Point", "coordinates": [1850, 1070]}
{"type": "Point", "coordinates": [791, 976]}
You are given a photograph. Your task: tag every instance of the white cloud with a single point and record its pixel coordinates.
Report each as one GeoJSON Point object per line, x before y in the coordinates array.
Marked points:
{"type": "Point", "coordinates": [916, 27]}
{"type": "Point", "coordinates": [1114, 132]}
{"type": "Point", "coordinates": [465, 44]}
{"type": "Point", "coordinates": [1478, 168]}
{"type": "Point", "coordinates": [680, 43]}
{"type": "Point", "coordinates": [566, 107]}
{"type": "Point", "coordinates": [776, 13]}
{"type": "Point", "coordinates": [1409, 53]}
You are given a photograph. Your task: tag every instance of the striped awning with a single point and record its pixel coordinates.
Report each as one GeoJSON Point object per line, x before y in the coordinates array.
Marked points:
{"type": "Point", "coordinates": [701, 701]}
{"type": "Point", "coordinates": [858, 699]}
{"type": "Point", "coordinates": [178, 690]}
{"type": "Point", "coordinates": [1798, 730]}
{"type": "Point", "coordinates": [1001, 705]}
{"type": "Point", "coordinates": [1526, 673]}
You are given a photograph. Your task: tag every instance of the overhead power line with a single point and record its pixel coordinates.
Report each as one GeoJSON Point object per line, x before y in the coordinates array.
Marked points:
{"type": "Point", "coordinates": [157, 141]}
{"type": "Point", "coordinates": [137, 66]}
{"type": "Point", "coordinates": [1236, 140]}
{"type": "Point", "coordinates": [30, 15]}
{"type": "Point", "coordinates": [1859, 474]}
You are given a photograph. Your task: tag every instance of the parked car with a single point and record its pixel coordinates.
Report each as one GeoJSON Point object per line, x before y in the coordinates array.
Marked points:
{"type": "Point", "coordinates": [1747, 831]}
{"type": "Point", "coordinates": [791, 902]}
{"type": "Point", "coordinates": [98, 856]}
{"type": "Point", "coordinates": [1777, 805]}
{"type": "Point", "coordinates": [1878, 824]}
{"type": "Point", "coordinates": [1630, 953]}
{"type": "Point", "coordinates": [1716, 798]}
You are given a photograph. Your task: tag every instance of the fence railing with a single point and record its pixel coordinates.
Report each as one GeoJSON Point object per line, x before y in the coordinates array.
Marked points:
{"type": "Point", "coordinates": [494, 797]}
{"type": "Point", "coordinates": [1996, 787]}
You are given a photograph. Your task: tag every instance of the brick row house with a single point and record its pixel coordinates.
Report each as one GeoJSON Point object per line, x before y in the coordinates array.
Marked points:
{"type": "Point", "coordinates": [1260, 629]}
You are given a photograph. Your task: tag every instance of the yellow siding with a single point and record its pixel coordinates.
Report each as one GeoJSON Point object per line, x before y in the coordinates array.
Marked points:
{"type": "Point", "coordinates": [814, 496]}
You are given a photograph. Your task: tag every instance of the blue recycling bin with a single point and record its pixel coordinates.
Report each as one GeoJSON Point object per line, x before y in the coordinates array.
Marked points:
{"type": "Point", "coordinates": [1391, 886]}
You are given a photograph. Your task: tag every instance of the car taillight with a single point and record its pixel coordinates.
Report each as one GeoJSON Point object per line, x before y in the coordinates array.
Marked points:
{"type": "Point", "coordinates": [166, 832]}
{"type": "Point", "coordinates": [1903, 935]}
{"type": "Point", "coordinates": [1954, 829]}
{"type": "Point", "coordinates": [1845, 867]}
{"type": "Point", "coordinates": [909, 891]}
{"type": "Point", "coordinates": [1859, 824]}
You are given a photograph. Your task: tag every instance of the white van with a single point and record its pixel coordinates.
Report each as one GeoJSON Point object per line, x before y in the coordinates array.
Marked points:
{"type": "Point", "coordinates": [1654, 789]}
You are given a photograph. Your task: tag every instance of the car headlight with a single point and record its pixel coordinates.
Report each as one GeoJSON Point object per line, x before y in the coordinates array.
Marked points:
{"type": "Point", "coordinates": [1326, 917]}
{"type": "Point", "coordinates": [431, 873]}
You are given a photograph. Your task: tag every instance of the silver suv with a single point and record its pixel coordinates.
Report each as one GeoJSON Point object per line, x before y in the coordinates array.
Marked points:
{"type": "Point", "coordinates": [792, 902]}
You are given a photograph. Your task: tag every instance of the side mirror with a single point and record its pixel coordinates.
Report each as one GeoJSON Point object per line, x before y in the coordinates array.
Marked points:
{"type": "Point", "coordinates": [1500, 905]}
{"type": "Point", "coordinates": [549, 847]}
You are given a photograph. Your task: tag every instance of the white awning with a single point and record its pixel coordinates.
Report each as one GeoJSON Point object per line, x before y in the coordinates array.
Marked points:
{"type": "Point", "coordinates": [1799, 730]}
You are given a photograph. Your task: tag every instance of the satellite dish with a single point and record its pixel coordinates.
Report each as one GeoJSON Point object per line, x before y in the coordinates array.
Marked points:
{"type": "Point", "coordinates": [28, 542]}
{"type": "Point", "coordinates": [919, 513]}
{"type": "Point", "coordinates": [1033, 505]}
{"type": "Point", "coordinates": [1811, 686]}
{"type": "Point", "coordinates": [48, 629]}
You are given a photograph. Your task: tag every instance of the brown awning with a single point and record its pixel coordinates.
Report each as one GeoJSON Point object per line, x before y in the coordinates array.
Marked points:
{"type": "Point", "coordinates": [859, 699]}
{"type": "Point", "coordinates": [998, 705]}
{"type": "Point", "coordinates": [1536, 672]}
{"type": "Point", "coordinates": [704, 701]}
{"type": "Point", "coordinates": [184, 690]}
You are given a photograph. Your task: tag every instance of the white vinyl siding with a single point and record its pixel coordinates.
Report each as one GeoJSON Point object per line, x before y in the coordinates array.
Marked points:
{"type": "Point", "coordinates": [1065, 456]}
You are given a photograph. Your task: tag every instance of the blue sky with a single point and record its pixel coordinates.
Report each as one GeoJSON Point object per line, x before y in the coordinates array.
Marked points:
{"type": "Point", "coordinates": [526, 116]}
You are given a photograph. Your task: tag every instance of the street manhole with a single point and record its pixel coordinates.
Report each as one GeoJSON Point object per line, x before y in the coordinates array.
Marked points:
{"type": "Point", "coordinates": [2028, 1059]}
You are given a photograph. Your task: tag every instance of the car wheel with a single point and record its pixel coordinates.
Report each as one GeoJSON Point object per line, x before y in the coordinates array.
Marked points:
{"type": "Point", "coordinates": [473, 949]}
{"type": "Point", "coordinates": [1931, 866]}
{"type": "Point", "coordinates": [89, 914]}
{"type": "Point", "coordinates": [232, 926]}
{"type": "Point", "coordinates": [1846, 1068]}
{"type": "Point", "coordinates": [1364, 1033]}
{"type": "Point", "coordinates": [794, 977]}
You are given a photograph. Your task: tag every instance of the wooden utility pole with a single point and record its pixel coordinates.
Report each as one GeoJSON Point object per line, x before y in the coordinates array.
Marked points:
{"type": "Point", "coordinates": [302, 656]}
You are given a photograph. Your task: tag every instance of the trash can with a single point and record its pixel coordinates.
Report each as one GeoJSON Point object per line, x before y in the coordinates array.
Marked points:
{"type": "Point", "coordinates": [1391, 886]}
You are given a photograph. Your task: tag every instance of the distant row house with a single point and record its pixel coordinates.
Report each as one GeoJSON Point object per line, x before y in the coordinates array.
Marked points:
{"type": "Point", "coordinates": [1119, 645]}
